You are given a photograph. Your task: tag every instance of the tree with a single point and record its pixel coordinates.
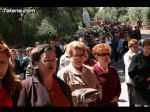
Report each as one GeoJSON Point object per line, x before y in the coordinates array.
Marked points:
{"type": "Point", "coordinates": [146, 15]}
{"type": "Point", "coordinates": [112, 14]}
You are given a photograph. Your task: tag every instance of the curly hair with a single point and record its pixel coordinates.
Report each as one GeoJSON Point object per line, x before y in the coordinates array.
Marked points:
{"type": "Point", "coordinates": [75, 45]}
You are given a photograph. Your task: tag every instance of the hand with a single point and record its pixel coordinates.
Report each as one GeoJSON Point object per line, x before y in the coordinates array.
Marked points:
{"type": "Point", "coordinates": [148, 79]}
{"type": "Point", "coordinates": [115, 99]}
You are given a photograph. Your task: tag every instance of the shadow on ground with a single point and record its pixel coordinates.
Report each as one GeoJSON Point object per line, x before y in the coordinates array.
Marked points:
{"type": "Point", "coordinates": [122, 100]}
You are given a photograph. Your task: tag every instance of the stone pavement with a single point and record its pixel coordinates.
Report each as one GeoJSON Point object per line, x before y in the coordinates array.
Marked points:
{"type": "Point", "coordinates": [123, 99]}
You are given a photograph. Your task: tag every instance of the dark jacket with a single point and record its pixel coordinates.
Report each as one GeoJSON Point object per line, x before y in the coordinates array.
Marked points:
{"type": "Point", "coordinates": [139, 71]}
{"type": "Point", "coordinates": [111, 85]}
{"type": "Point", "coordinates": [33, 92]}
{"type": "Point", "coordinates": [15, 95]}
{"type": "Point", "coordinates": [17, 67]}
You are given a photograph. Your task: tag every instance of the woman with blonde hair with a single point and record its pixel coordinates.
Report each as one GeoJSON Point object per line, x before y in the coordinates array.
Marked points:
{"type": "Point", "coordinates": [107, 75]}
{"type": "Point", "coordinates": [133, 49]}
{"type": "Point", "coordinates": [78, 75]}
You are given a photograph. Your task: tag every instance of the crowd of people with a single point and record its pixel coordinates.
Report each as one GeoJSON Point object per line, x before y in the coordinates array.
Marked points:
{"type": "Point", "coordinates": [77, 73]}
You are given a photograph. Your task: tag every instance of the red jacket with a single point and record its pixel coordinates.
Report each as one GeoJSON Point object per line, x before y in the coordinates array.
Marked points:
{"type": "Point", "coordinates": [111, 85]}
{"type": "Point", "coordinates": [5, 99]}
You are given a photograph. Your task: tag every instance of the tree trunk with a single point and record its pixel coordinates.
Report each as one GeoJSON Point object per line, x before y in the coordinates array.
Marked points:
{"type": "Point", "coordinates": [17, 30]}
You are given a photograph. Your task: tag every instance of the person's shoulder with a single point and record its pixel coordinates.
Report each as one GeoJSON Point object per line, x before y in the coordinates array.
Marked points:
{"type": "Point", "coordinates": [112, 68]}
{"type": "Point", "coordinates": [64, 70]}
{"type": "Point", "coordinates": [137, 55]}
{"type": "Point", "coordinates": [88, 67]}
{"type": "Point", "coordinates": [27, 82]}
{"type": "Point", "coordinates": [127, 53]}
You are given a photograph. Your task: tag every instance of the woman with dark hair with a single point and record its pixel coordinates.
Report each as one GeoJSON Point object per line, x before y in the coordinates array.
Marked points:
{"type": "Point", "coordinates": [9, 87]}
{"type": "Point", "coordinates": [43, 88]}
{"type": "Point", "coordinates": [139, 72]}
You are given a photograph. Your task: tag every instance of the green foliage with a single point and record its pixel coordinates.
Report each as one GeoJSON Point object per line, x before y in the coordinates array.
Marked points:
{"type": "Point", "coordinates": [46, 28]}
{"type": "Point", "coordinates": [112, 14]}
{"type": "Point", "coordinates": [134, 13]}
{"type": "Point", "coordinates": [93, 30]}
{"type": "Point", "coordinates": [124, 14]}
{"type": "Point", "coordinates": [5, 26]}
{"type": "Point", "coordinates": [146, 15]}
{"type": "Point", "coordinates": [92, 11]}
{"type": "Point", "coordinates": [63, 21]}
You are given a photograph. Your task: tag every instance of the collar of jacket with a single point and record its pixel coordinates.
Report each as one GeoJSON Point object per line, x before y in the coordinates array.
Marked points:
{"type": "Point", "coordinates": [77, 72]}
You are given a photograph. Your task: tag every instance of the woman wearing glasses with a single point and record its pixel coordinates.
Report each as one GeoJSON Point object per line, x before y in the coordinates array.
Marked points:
{"type": "Point", "coordinates": [76, 74]}
{"type": "Point", "coordinates": [107, 75]}
{"type": "Point", "coordinates": [9, 87]}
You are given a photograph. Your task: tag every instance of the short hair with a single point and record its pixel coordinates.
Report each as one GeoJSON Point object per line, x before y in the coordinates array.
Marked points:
{"type": "Point", "coordinates": [38, 51]}
{"type": "Point", "coordinates": [132, 42]}
{"type": "Point", "coordinates": [29, 49]}
{"type": "Point", "coordinates": [97, 49]}
{"type": "Point", "coordinates": [146, 42]}
{"type": "Point", "coordinates": [75, 45]}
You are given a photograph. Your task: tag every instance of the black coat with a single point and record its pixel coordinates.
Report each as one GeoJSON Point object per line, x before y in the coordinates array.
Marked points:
{"type": "Point", "coordinates": [17, 68]}
{"type": "Point", "coordinates": [139, 71]}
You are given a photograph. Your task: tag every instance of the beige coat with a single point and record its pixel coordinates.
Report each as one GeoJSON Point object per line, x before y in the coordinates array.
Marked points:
{"type": "Point", "coordinates": [77, 80]}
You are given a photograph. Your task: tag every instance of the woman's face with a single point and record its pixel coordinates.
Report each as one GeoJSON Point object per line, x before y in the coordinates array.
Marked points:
{"type": "Point", "coordinates": [134, 48]}
{"type": "Point", "coordinates": [146, 50]}
{"type": "Point", "coordinates": [13, 54]}
{"type": "Point", "coordinates": [4, 63]}
{"type": "Point", "coordinates": [104, 58]}
{"type": "Point", "coordinates": [47, 63]}
{"type": "Point", "coordinates": [77, 58]}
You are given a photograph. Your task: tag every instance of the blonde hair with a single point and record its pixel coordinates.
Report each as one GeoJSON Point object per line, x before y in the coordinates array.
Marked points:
{"type": "Point", "coordinates": [75, 45]}
{"type": "Point", "coordinates": [100, 48]}
{"type": "Point", "coordinates": [65, 47]}
{"type": "Point", "coordinates": [132, 42]}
